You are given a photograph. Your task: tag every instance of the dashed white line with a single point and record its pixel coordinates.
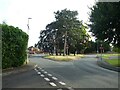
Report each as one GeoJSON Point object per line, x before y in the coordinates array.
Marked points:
{"type": "Point", "coordinates": [49, 74]}
{"type": "Point", "coordinates": [62, 83]}
{"type": "Point", "coordinates": [42, 70]}
{"type": "Point", "coordinates": [70, 88]}
{"type": "Point", "coordinates": [36, 65]}
{"type": "Point", "coordinates": [59, 89]}
{"type": "Point", "coordinates": [53, 84]}
{"type": "Point", "coordinates": [45, 72]}
{"type": "Point", "coordinates": [47, 79]}
{"type": "Point", "coordinates": [42, 75]}
{"type": "Point", "coordinates": [39, 73]}
{"type": "Point", "coordinates": [39, 68]}
{"type": "Point", "coordinates": [54, 78]}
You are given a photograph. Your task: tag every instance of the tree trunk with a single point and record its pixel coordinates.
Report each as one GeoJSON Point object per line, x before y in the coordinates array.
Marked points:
{"type": "Point", "coordinates": [65, 44]}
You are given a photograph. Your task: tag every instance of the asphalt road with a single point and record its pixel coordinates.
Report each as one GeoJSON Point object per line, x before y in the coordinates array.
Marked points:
{"type": "Point", "coordinates": [82, 73]}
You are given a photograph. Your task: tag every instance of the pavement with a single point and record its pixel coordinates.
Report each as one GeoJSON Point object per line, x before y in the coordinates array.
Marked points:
{"type": "Point", "coordinates": [20, 69]}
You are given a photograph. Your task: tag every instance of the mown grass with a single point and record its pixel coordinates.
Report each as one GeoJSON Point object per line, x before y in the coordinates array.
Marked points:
{"type": "Point", "coordinates": [64, 58]}
{"type": "Point", "coordinates": [114, 62]}
{"type": "Point", "coordinates": [107, 56]}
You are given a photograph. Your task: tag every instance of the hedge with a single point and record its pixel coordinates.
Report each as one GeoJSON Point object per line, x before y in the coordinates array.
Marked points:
{"type": "Point", "coordinates": [14, 45]}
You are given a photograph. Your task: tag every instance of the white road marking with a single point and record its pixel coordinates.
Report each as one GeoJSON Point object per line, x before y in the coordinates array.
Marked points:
{"type": "Point", "coordinates": [49, 74]}
{"type": "Point", "coordinates": [70, 88]}
{"type": "Point", "coordinates": [62, 83]}
{"type": "Point", "coordinates": [35, 69]}
{"type": "Point", "coordinates": [42, 75]}
{"type": "Point", "coordinates": [39, 68]}
{"type": "Point", "coordinates": [39, 73]}
{"type": "Point", "coordinates": [59, 89]}
{"type": "Point", "coordinates": [54, 78]}
{"type": "Point", "coordinates": [42, 70]}
{"type": "Point", "coordinates": [47, 79]}
{"type": "Point", "coordinates": [36, 65]}
{"type": "Point", "coordinates": [45, 72]}
{"type": "Point", "coordinates": [53, 84]}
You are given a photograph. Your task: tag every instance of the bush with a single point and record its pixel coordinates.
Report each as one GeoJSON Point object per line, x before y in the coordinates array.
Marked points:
{"type": "Point", "coordinates": [14, 45]}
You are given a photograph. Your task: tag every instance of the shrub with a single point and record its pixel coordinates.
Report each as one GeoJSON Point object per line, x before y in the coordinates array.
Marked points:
{"type": "Point", "coordinates": [14, 45]}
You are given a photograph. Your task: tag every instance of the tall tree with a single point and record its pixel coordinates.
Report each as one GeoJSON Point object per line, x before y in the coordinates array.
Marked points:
{"type": "Point", "coordinates": [105, 22]}
{"type": "Point", "coordinates": [64, 34]}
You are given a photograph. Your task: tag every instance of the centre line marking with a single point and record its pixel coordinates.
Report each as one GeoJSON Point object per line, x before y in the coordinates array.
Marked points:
{"type": "Point", "coordinates": [62, 83]}
{"type": "Point", "coordinates": [49, 74]}
{"type": "Point", "coordinates": [47, 79]}
{"type": "Point", "coordinates": [42, 75]}
{"type": "Point", "coordinates": [54, 78]}
{"type": "Point", "coordinates": [53, 84]}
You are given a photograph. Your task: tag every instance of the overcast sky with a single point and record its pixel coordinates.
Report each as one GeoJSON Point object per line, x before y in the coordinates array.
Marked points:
{"type": "Point", "coordinates": [17, 12]}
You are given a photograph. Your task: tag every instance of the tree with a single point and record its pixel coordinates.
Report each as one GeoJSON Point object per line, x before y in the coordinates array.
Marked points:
{"type": "Point", "coordinates": [105, 22]}
{"type": "Point", "coordinates": [65, 34]}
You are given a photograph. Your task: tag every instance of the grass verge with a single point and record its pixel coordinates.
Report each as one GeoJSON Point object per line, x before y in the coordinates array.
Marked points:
{"type": "Point", "coordinates": [114, 62]}
{"type": "Point", "coordinates": [64, 58]}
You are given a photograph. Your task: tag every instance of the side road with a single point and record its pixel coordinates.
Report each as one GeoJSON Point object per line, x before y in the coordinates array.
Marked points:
{"type": "Point", "coordinates": [104, 64]}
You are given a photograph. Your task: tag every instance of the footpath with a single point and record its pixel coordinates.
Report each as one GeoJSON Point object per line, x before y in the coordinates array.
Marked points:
{"type": "Point", "coordinates": [22, 68]}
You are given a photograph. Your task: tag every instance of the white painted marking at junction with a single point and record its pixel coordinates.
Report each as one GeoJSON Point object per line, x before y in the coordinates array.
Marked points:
{"type": "Point", "coordinates": [70, 88]}
{"type": "Point", "coordinates": [62, 83]}
{"type": "Point", "coordinates": [36, 65]}
{"type": "Point", "coordinates": [35, 69]}
{"type": "Point", "coordinates": [54, 78]}
{"type": "Point", "coordinates": [39, 68]}
{"type": "Point", "coordinates": [42, 70]}
{"type": "Point", "coordinates": [47, 79]}
{"type": "Point", "coordinates": [53, 84]}
{"type": "Point", "coordinates": [42, 75]}
{"type": "Point", "coordinates": [39, 73]}
{"type": "Point", "coordinates": [59, 89]}
{"type": "Point", "coordinates": [45, 72]}
{"type": "Point", "coordinates": [49, 74]}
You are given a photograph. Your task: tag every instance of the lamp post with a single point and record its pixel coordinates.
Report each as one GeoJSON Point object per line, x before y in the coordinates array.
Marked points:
{"type": "Point", "coordinates": [28, 38]}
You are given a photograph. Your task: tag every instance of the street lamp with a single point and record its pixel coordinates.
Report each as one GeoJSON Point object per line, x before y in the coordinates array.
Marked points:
{"type": "Point", "coordinates": [28, 26]}
{"type": "Point", "coordinates": [28, 38]}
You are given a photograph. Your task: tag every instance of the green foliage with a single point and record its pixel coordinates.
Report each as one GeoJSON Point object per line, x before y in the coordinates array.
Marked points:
{"type": "Point", "coordinates": [65, 27]}
{"type": "Point", "coordinates": [116, 49]}
{"type": "Point", "coordinates": [105, 21]}
{"type": "Point", "coordinates": [14, 45]}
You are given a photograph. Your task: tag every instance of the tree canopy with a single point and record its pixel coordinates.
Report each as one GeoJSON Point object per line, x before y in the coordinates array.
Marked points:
{"type": "Point", "coordinates": [66, 33]}
{"type": "Point", "coordinates": [105, 22]}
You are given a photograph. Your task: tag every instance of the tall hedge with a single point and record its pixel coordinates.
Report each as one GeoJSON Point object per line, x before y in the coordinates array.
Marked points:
{"type": "Point", "coordinates": [14, 45]}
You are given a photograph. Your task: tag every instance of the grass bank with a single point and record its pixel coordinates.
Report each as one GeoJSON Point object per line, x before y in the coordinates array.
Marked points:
{"type": "Point", "coordinates": [64, 58]}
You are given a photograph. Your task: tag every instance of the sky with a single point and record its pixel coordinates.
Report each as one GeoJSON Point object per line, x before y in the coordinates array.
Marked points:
{"type": "Point", "coordinates": [17, 12]}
